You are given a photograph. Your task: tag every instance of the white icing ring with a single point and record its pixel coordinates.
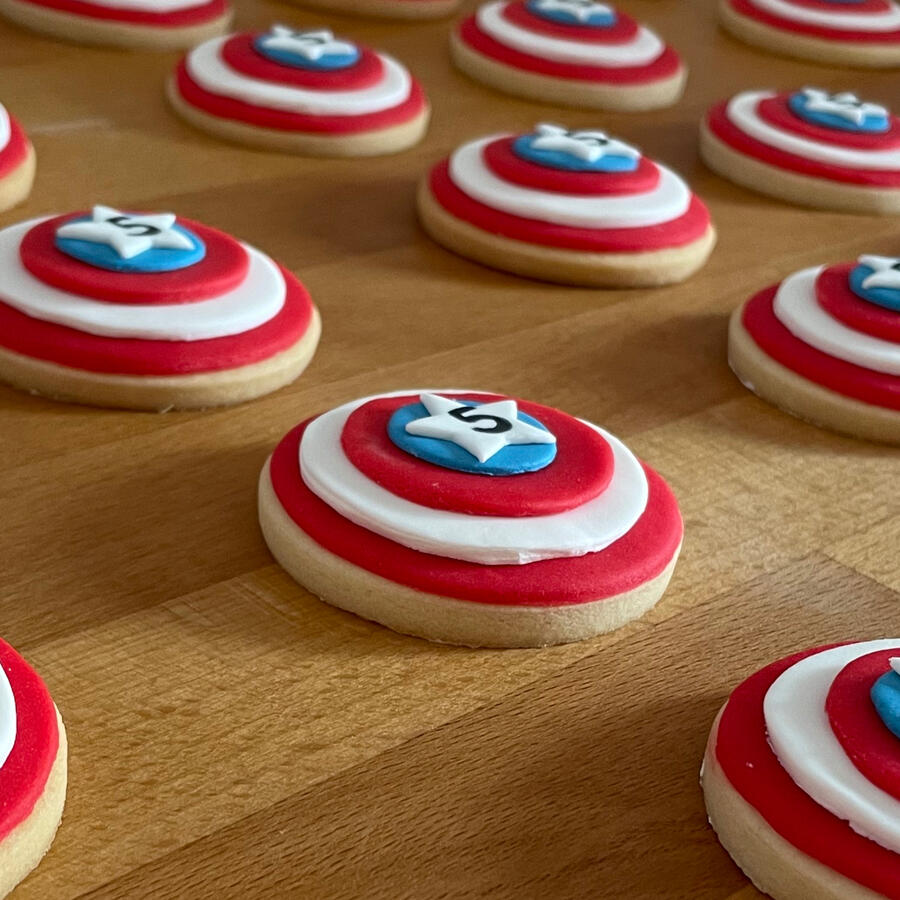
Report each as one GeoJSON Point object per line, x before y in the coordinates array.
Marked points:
{"type": "Point", "coordinates": [849, 21]}
{"type": "Point", "coordinates": [7, 718]}
{"type": "Point", "coordinates": [5, 128]}
{"type": "Point", "coordinates": [153, 6]}
{"type": "Point", "coordinates": [741, 111]}
{"type": "Point", "coordinates": [207, 68]}
{"type": "Point", "coordinates": [643, 50]}
{"type": "Point", "coordinates": [488, 540]}
{"type": "Point", "coordinates": [258, 298]}
{"type": "Point", "coordinates": [469, 172]}
{"type": "Point", "coordinates": [801, 736]}
{"type": "Point", "coordinates": [797, 308]}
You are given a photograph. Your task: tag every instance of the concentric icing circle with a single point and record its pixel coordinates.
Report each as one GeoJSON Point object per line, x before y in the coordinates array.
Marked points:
{"type": "Point", "coordinates": [584, 13]}
{"type": "Point", "coordinates": [143, 12]}
{"type": "Point", "coordinates": [871, 21]}
{"type": "Point", "coordinates": [836, 297]}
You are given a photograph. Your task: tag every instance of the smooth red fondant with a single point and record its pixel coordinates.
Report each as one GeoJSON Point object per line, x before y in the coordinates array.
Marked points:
{"type": "Point", "coordinates": [877, 388]}
{"type": "Point", "coordinates": [686, 228]}
{"type": "Point", "coordinates": [639, 556]}
{"type": "Point", "coordinates": [835, 297]}
{"type": "Point", "coordinates": [181, 18]}
{"type": "Point", "coordinates": [581, 471]}
{"type": "Point", "coordinates": [744, 8]}
{"type": "Point", "coordinates": [16, 150]}
{"type": "Point", "coordinates": [666, 65]}
{"type": "Point", "coordinates": [241, 55]}
{"type": "Point", "coordinates": [742, 750]}
{"type": "Point", "coordinates": [869, 743]}
{"type": "Point", "coordinates": [264, 117]}
{"type": "Point", "coordinates": [130, 356]}
{"type": "Point", "coordinates": [224, 267]}
{"type": "Point", "coordinates": [723, 128]}
{"type": "Point", "coordinates": [504, 163]}
{"type": "Point", "coordinates": [23, 777]}
{"type": "Point", "coordinates": [858, 6]}
{"type": "Point", "coordinates": [625, 28]}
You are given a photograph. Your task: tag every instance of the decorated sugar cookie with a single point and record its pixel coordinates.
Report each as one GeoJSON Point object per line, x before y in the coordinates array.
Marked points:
{"type": "Point", "coordinates": [32, 769]}
{"type": "Point", "coordinates": [142, 24]}
{"type": "Point", "coordinates": [801, 774]}
{"type": "Point", "coordinates": [387, 9]}
{"type": "Point", "coordinates": [17, 162]}
{"type": "Point", "coordinates": [571, 206]}
{"type": "Point", "coordinates": [864, 33]}
{"type": "Point", "coordinates": [300, 91]}
{"type": "Point", "coordinates": [470, 518]}
{"type": "Point", "coordinates": [579, 53]}
{"type": "Point", "coordinates": [825, 345]}
{"type": "Point", "coordinates": [810, 147]}
{"type": "Point", "coordinates": [147, 311]}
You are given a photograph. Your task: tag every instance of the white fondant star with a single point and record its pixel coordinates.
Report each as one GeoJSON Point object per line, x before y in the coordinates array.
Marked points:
{"type": "Point", "coordinates": [580, 9]}
{"type": "Point", "coordinates": [895, 663]}
{"type": "Point", "coordinates": [129, 235]}
{"type": "Point", "coordinates": [846, 105]}
{"type": "Point", "coordinates": [587, 145]}
{"type": "Point", "coordinates": [480, 430]}
{"type": "Point", "coordinates": [885, 271]}
{"type": "Point", "coordinates": [312, 45]}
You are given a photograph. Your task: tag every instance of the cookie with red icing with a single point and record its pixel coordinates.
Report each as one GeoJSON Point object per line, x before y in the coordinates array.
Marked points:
{"type": "Point", "coordinates": [300, 91]}
{"type": "Point", "coordinates": [470, 518]}
{"type": "Point", "coordinates": [864, 33]}
{"type": "Point", "coordinates": [387, 9]}
{"type": "Point", "coordinates": [147, 311]}
{"type": "Point", "coordinates": [32, 769]}
{"type": "Point", "coordinates": [17, 162]}
{"type": "Point", "coordinates": [579, 53]}
{"type": "Point", "coordinates": [824, 344]}
{"type": "Point", "coordinates": [801, 774]}
{"type": "Point", "coordinates": [141, 24]}
{"type": "Point", "coordinates": [575, 207]}
{"type": "Point", "coordinates": [809, 147]}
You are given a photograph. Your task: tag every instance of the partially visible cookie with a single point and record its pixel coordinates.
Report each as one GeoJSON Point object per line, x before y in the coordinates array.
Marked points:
{"type": "Point", "coordinates": [17, 162]}
{"type": "Point", "coordinates": [386, 9]}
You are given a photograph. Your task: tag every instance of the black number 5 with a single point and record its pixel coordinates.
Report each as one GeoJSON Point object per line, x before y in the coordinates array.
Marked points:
{"type": "Point", "coordinates": [470, 415]}
{"type": "Point", "coordinates": [135, 228]}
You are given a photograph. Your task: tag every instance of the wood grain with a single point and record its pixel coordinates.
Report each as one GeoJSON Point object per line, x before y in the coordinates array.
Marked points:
{"type": "Point", "coordinates": [230, 736]}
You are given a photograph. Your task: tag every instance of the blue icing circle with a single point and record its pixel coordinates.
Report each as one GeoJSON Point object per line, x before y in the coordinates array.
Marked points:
{"type": "Point", "coordinates": [514, 459]}
{"type": "Point", "coordinates": [330, 62]}
{"type": "Point", "coordinates": [558, 159]}
{"type": "Point", "coordinates": [870, 124]}
{"type": "Point", "coordinates": [886, 697]}
{"type": "Point", "coordinates": [881, 296]}
{"type": "Point", "coordinates": [596, 19]}
{"type": "Point", "coordinates": [156, 259]}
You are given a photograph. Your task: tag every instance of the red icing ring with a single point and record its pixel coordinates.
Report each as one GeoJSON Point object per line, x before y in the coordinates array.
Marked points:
{"type": "Point", "coordinates": [724, 129]}
{"type": "Point", "coordinates": [264, 117]}
{"type": "Point", "coordinates": [223, 268]}
{"type": "Point", "coordinates": [16, 150]}
{"type": "Point", "coordinates": [742, 750]}
{"type": "Point", "coordinates": [856, 724]}
{"type": "Point", "coordinates": [24, 775]}
{"type": "Point", "coordinates": [775, 111]}
{"type": "Point", "coordinates": [623, 30]}
{"type": "Point", "coordinates": [877, 388]}
{"type": "Point", "coordinates": [131, 356]}
{"type": "Point", "coordinates": [503, 162]}
{"type": "Point", "coordinates": [239, 53]}
{"type": "Point", "coordinates": [666, 65]}
{"type": "Point", "coordinates": [639, 556]}
{"type": "Point", "coordinates": [859, 6]}
{"type": "Point", "coordinates": [180, 18]}
{"type": "Point", "coordinates": [581, 471]}
{"type": "Point", "coordinates": [836, 298]}
{"type": "Point", "coordinates": [686, 228]}
{"type": "Point", "coordinates": [744, 8]}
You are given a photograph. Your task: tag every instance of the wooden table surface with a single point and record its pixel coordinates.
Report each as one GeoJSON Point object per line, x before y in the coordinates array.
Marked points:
{"type": "Point", "coordinates": [230, 735]}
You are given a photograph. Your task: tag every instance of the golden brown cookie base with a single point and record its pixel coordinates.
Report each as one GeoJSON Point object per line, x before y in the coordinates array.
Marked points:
{"type": "Point", "coordinates": [16, 186]}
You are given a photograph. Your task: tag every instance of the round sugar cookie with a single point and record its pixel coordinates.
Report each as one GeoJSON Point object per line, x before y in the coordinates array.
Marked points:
{"type": "Point", "coordinates": [414, 10]}
{"type": "Point", "coordinates": [17, 162]}
{"type": "Point", "coordinates": [300, 91]}
{"type": "Point", "coordinates": [147, 311]}
{"type": "Point", "coordinates": [801, 776]}
{"type": "Point", "coordinates": [808, 147]}
{"type": "Point", "coordinates": [569, 206]}
{"type": "Point", "coordinates": [470, 518]}
{"type": "Point", "coordinates": [578, 53]}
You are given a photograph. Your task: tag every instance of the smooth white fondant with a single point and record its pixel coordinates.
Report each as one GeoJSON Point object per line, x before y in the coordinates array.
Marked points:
{"type": "Point", "coordinates": [742, 112]}
{"type": "Point", "coordinates": [844, 104]}
{"type": "Point", "coordinates": [257, 299]}
{"type": "Point", "coordinates": [471, 174]}
{"type": "Point", "coordinates": [849, 20]}
{"type": "Point", "coordinates": [7, 718]}
{"type": "Point", "coordinates": [311, 45]}
{"type": "Point", "coordinates": [582, 143]}
{"type": "Point", "coordinates": [885, 272]}
{"type": "Point", "coordinates": [153, 6]}
{"type": "Point", "coordinates": [5, 130]}
{"type": "Point", "coordinates": [100, 230]}
{"type": "Point", "coordinates": [207, 68]}
{"type": "Point", "coordinates": [642, 50]}
{"type": "Point", "coordinates": [797, 308]}
{"type": "Point", "coordinates": [800, 734]}
{"type": "Point", "coordinates": [489, 540]}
